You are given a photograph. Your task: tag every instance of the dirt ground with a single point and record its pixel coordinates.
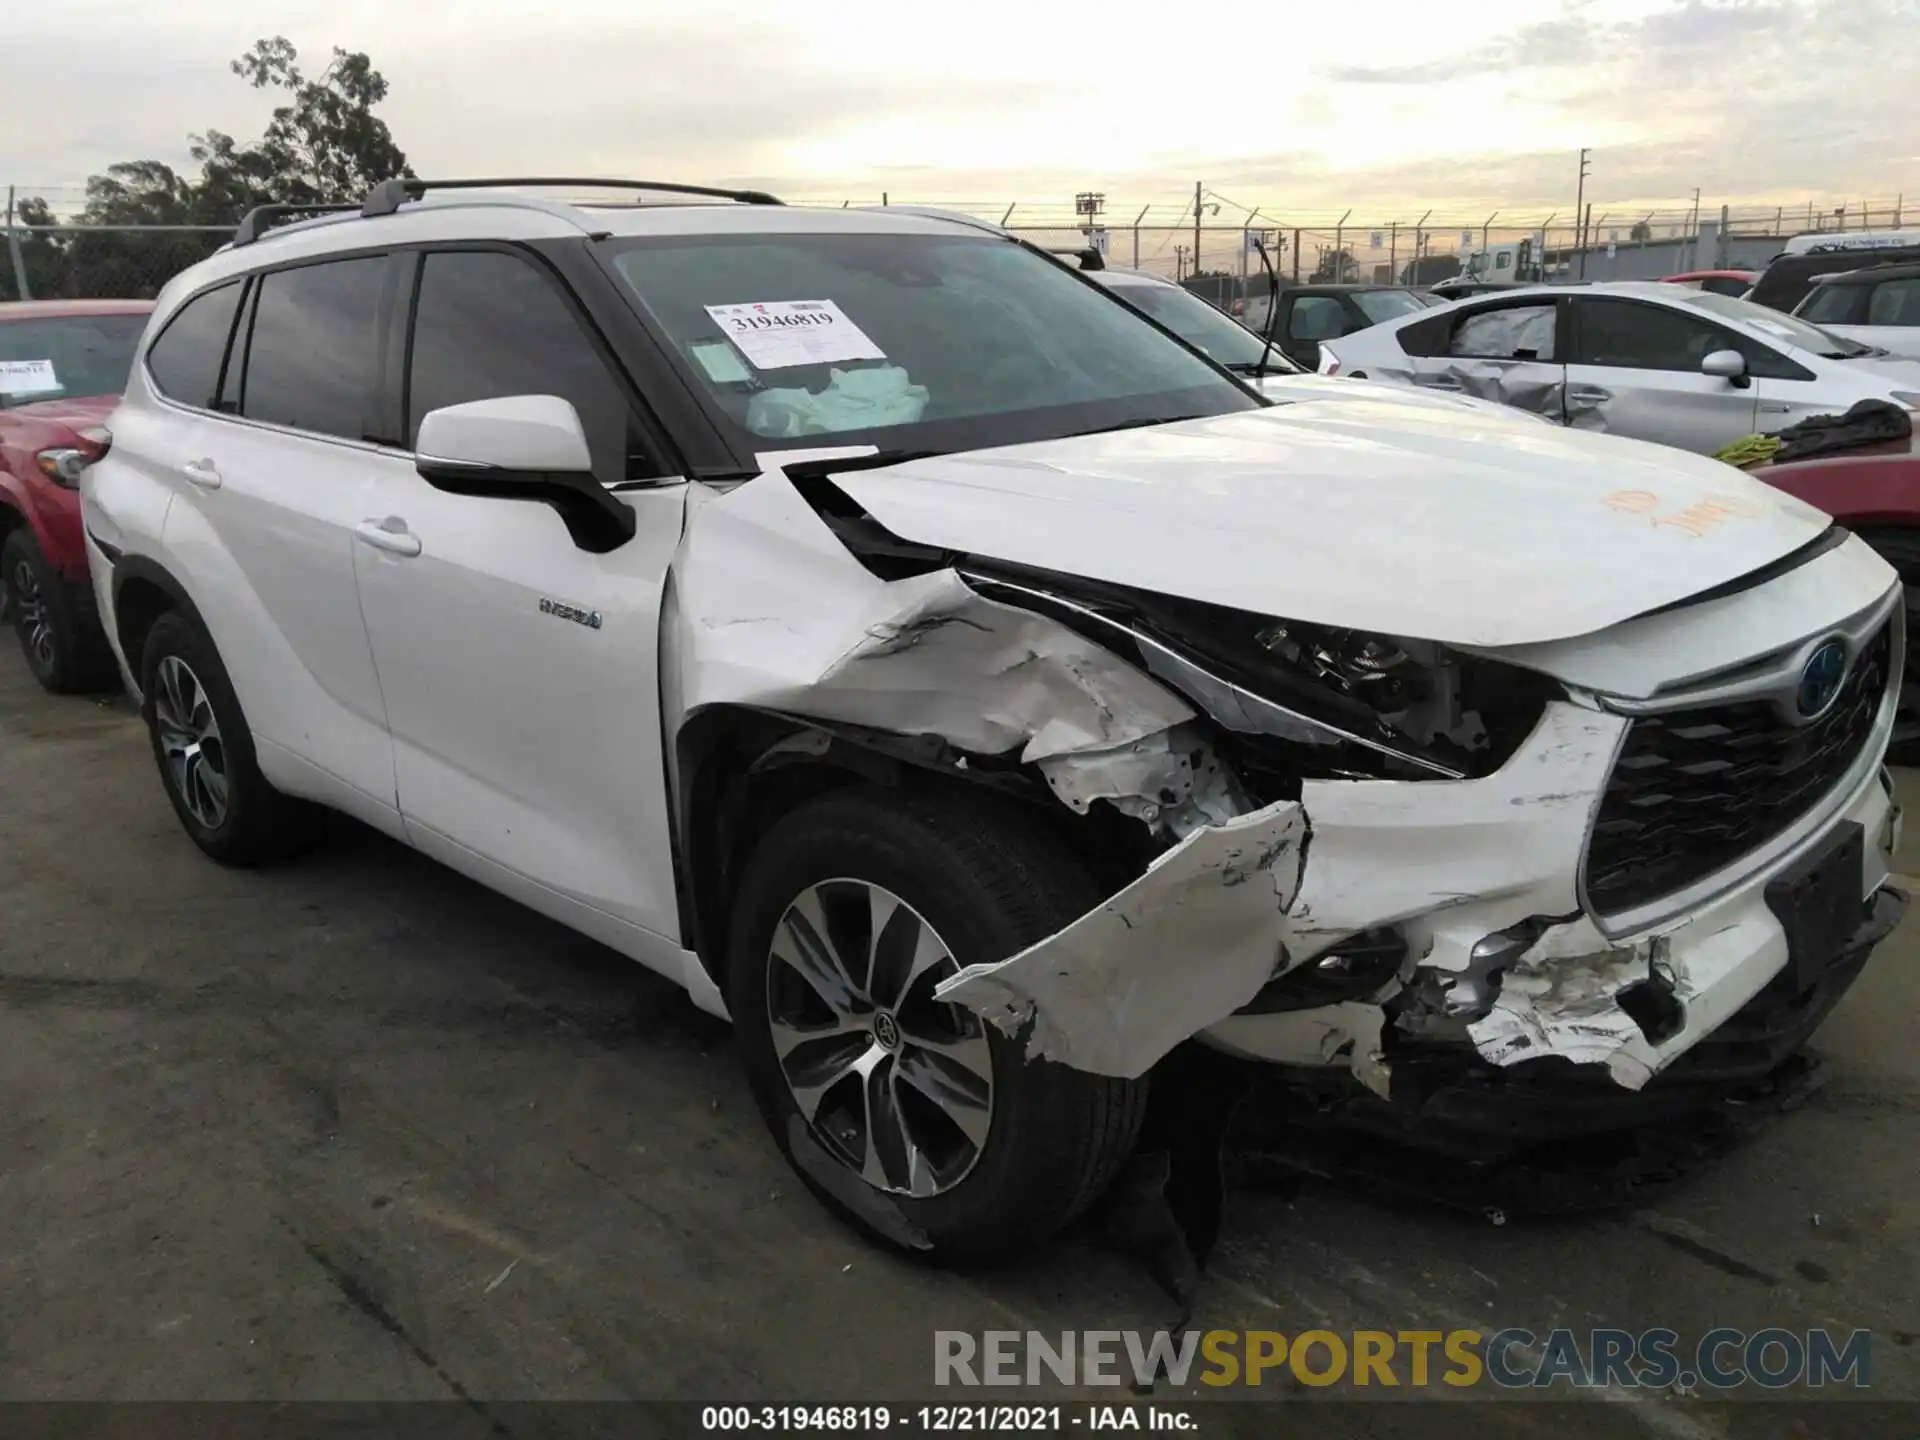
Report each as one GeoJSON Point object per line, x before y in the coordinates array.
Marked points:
{"type": "Point", "coordinates": [358, 1129]}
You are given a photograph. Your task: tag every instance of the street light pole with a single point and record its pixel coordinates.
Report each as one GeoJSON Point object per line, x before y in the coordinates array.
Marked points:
{"type": "Point", "coordinates": [1579, 203]}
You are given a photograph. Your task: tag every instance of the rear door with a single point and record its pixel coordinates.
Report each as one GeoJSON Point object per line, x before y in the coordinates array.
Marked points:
{"type": "Point", "coordinates": [271, 477]}
{"type": "Point", "coordinates": [521, 672]}
{"type": "Point", "coordinates": [1634, 370]}
{"type": "Point", "coordinates": [1506, 350]}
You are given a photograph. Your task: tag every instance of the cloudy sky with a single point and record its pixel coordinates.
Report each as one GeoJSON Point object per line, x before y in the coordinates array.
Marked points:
{"type": "Point", "coordinates": [1306, 107]}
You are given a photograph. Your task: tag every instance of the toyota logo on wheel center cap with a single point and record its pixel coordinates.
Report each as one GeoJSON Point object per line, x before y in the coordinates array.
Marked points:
{"type": "Point", "coordinates": [1820, 679]}
{"type": "Point", "coordinates": [886, 1032]}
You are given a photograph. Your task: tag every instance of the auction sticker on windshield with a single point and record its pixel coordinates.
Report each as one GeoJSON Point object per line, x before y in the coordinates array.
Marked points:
{"type": "Point", "coordinates": [774, 334]}
{"type": "Point", "coordinates": [26, 377]}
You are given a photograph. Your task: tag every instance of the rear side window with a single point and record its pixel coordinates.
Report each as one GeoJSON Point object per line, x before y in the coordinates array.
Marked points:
{"type": "Point", "coordinates": [310, 361]}
{"type": "Point", "coordinates": [488, 325]}
{"type": "Point", "coordinates": [1834, 305]}
{"type": "Point", "coordinates": [185, 360]}
{"type": "Point", "coordinates": [1514, 332]}
{"type": "Point", "coordinates": [1642, 337]}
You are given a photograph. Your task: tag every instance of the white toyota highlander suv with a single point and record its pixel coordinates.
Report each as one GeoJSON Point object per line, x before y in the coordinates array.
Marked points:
{"type": "Point", "coordinates": [971, 689]}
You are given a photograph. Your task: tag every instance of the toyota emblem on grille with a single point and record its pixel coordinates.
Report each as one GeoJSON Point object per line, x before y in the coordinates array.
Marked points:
{"type": "Point", "coordinates": [1820, 680]}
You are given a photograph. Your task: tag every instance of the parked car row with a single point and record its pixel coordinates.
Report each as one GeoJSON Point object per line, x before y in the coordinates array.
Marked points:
{"type": "Point", "coordinates": [960, 672]}
{"type": "Point", "coordinates": [63, 365]}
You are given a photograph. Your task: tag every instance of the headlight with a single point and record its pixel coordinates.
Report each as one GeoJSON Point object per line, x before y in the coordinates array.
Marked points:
{"type": "Point", "coordinates": [1301, 701]}
{"type": "Point", "coordinates": [63, 464]}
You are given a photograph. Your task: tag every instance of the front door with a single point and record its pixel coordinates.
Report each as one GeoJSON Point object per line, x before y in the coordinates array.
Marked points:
{"type": "Point", "coordinates": [1634, 370]}
{"type": "Point", "coordinates": [521, 672]}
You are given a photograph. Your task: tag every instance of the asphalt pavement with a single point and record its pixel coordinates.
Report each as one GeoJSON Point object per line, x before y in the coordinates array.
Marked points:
{"type": "Point", "coordinates": [358, 1129]}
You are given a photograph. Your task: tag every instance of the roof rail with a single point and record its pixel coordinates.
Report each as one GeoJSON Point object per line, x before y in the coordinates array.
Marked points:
{"type": "Point", "coordinates": [389, 195]}
{"type": "Point", "coordinates": [255, 222]}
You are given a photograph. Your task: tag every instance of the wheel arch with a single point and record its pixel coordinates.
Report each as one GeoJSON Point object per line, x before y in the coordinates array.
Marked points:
{"type": "Point", "coordinates": [143, 591]}
{"type": "Point", "coordinates": [738, 770]}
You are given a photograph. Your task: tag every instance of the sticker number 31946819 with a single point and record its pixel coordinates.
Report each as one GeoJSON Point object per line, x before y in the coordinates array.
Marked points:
{"type": "Point", "coordinates": [775, 334]}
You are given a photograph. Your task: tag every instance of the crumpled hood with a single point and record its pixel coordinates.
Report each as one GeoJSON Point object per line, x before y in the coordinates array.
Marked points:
{"type": "Point", "coordinates": [1425, 522]}
{"type": "Point", "coordinates": [1291, 389]}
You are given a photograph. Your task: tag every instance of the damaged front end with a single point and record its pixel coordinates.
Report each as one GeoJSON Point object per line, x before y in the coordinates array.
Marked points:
{"type": "Point", "coordinates": [1388, 859]}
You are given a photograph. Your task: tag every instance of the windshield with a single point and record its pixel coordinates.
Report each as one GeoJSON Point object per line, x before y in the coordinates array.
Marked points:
{"type": "Point", "coordinates": [1380, 305]}
{"type": "Point", "coordinates": [1833, 305]}
{"type": "Point", "coordinates": [908, 342]}
{"type": "Point", "coordinates": [1777, 326]}
{"type": "Point", "coordinates": [62, 357]}
{"type": "Point", "coordinates": [1200, 325]}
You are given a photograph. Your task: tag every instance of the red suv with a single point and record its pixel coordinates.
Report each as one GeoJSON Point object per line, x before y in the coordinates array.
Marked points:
{"type": "Point", "coordinates": [63, 366]}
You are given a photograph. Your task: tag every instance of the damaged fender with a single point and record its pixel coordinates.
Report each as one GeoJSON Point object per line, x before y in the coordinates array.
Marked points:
{"type": "Point", "coordinates": [767, 608]}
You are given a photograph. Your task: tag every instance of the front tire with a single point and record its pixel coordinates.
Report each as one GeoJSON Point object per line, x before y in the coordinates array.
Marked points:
{"type": "Point", "coordinates": [205, 753]}
{"type": "Point", "coordinates": [916, 1120]}
{"type": "Point", "coordinates": [54, 621]}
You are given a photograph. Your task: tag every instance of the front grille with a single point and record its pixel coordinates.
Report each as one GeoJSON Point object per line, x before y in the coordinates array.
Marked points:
{"type": "Point", "coordinates": [1694, 790]}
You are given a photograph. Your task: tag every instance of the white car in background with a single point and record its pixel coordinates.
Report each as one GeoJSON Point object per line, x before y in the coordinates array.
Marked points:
{"type": "Point", "coordinates": [1234, 347]}
{"type": "Point", "coordinates": [1687, 368]}
{"type": "Point", "coordinates": [1878, 307]}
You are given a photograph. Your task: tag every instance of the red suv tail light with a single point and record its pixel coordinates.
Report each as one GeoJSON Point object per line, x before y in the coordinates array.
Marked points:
{"type": "Point", "coordinates": [63, 464]}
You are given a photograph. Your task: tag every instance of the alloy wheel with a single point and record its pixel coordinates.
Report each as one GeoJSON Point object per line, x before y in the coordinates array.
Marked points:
{"type": "Point", "coordinates": [195, 756]}
{"type": "Point", "coordinates": [32, 618]}
{"type": "Point", "coordinates": [896, 1085]}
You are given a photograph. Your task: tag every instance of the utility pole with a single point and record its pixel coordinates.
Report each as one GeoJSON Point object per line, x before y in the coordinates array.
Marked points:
{"type": "Point", "coordinates": [1579, 209]}
{"type": "Point", "coordinates": [1196, 225]}
{"type": "Point", "coordinates": [20, 291]}
{"type": "Point", "coordinates": [1179, 263]}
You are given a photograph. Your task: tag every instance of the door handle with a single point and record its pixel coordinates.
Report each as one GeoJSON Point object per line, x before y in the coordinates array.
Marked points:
{"type": "Point", "coordinates": [203, 473]}
{"type": "Point", "coordinates": [1446, 382]}
{"type": "Point", "coordinates": [1589, 395]}
{"type": "Point", "coordinates": [390, 535]}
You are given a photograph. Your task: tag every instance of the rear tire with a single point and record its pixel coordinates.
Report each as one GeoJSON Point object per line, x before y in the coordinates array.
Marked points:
{"type": "Point", "coordinates": [1015, 1148]}
{"type": "Point", "coordinates": [205, 753]}
{"type": "Point", "coordinates": [1901, 549]}
{"type": "Point", "coordinates": [54, 620]}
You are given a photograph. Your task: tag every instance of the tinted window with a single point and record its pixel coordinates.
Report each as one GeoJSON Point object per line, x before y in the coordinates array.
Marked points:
{"type": "Point", "coordinates": [926, 341]}
{"type": "Point", "coordinates": [1383, 305]}
{"type": "Point", "coordinates": [1895, 302]}
{"type": "Point", "coordinates": [1199, 324]}
{"type": "Point", "coordinates": [310, 361]}
{"type": "Point", "coordinates": [1642, 337]}
{"type": "Point", "coordinates": [489, 325]}
{"type": "Point", "coordinates": [1515, 332]}
{"type": "Point", "coordinates": [185, 360]}
{"type": "Point", "coordinates": [1317, 317]}
{"type": "Point", "coordinates": [1833, 304]}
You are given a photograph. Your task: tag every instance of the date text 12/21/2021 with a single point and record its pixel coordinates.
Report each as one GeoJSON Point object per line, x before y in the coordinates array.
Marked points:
{"type": "Point", "coordinates": [946, 1419]}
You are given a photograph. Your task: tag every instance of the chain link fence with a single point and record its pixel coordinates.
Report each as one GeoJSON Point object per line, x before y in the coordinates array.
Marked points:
{"type": "Point", "coordinates": [101, 262]}
{"type": "Point", "coordinates": [1217, 258]}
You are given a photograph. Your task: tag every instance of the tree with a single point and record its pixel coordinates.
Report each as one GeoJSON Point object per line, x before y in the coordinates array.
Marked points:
{"type": "Point", "coordinates": [323, 146]}
{"type": "Point", "coordinates": [1641, 231]}
{"type": "Point", "coordinates": [1335, 267]}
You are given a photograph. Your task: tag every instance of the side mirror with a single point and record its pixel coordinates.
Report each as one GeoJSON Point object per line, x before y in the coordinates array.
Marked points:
{"type": "Point", "coordinates": [1728, 365]}
{"type": "Point", "coordinates": [523, 447]}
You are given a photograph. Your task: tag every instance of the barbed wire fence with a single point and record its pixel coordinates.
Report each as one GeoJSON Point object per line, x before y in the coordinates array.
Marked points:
{"type": "Point", "coordinates": [1207, 242]}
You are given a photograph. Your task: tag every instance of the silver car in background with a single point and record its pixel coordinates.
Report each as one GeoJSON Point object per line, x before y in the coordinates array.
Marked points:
{"type": "Point", "coordinates": [1681, 367]}
{"type": "Point", "coordinates": [1879, 307]}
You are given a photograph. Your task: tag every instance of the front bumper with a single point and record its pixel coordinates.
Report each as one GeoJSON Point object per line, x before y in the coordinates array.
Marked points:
{"type": "Point", "coordinates": [1186, 950]}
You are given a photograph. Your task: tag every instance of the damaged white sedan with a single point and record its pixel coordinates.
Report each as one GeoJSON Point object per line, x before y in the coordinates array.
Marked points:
{"type": "Point", "coordinates": [976, 692]}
